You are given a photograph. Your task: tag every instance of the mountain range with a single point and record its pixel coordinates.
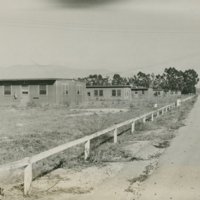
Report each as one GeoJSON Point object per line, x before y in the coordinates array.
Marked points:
{"type": "Point", "coordinates": [48, 71]}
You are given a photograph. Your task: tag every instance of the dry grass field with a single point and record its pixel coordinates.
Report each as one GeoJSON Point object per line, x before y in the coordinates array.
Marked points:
{"type": "Point", "coordinates": [27, 131]}
{"type": "Point", "coordinates": [123, 165]}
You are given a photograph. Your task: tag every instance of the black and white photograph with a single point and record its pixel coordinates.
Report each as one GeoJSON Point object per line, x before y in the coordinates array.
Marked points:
{"type": "Point", "coordinates": [99, 100]}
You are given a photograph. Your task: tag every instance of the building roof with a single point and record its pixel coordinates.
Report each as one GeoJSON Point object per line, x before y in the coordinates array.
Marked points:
{"type": "Point", "coordinates": [33, 79]}
{"type": "Point", "coordinates": [138, 88]}
{"type": "Point", "coordinates": [108, 86]}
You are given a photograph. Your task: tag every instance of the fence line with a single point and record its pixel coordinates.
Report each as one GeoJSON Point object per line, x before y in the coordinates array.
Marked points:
{"type": "Point", "coordinates": [29, 161]}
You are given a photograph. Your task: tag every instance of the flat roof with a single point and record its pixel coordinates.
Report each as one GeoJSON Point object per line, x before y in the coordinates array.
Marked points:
{"type": "Point", "coordinates": [33, 81]}
{"type": "Point", "coordinates": [30, 79]}
{"type": "Point", "coordinates": [139, 88]}
{"type": "Point", "coordinates": [108, 86]}
{"type": "Point", "coordinates": [157, 89]}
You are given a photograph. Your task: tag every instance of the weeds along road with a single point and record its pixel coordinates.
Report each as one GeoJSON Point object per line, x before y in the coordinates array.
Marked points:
{"type": "Point", "coordinates": [178, 173]}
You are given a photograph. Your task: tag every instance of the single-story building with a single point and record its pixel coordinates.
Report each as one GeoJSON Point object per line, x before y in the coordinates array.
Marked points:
{"type": "Point", "coordinates": [160, 92]}
{"type": "Point", "coordinates": [150, 92]}
{"type": "Point", "coordinates": [177, 93]}
{"type": "Point", "coordinates": [42, 91]}
{"type": "Point", "coordinates": [109, 92]}
{"type": "Point", "coordinates": [139, 91]}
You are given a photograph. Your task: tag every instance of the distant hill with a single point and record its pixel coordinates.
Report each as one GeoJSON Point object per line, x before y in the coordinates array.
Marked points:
{"type": "Point", "coordinates": [47, 71]}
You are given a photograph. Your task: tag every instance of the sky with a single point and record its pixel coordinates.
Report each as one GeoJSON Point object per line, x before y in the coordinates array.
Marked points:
{"type": "Point", "coordinates": [123, 36]}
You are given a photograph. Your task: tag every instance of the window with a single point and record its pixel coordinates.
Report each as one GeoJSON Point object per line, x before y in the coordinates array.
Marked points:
{"type": "Point", "coordinates": [25, 89]}
{"type": "Point", "coordinates": [100, 93]}
{"type": "Point", "coordinates": [88, 94]}
{"type": "Point", "coordinates": [79, 89]}
{"type": "Point", "coordinates": [136, 92]}
{"type": "Point", "coordinates": [96, 93]}
{"type": "Point", "coordinates": [114, 93]}
{"type": "Point", "coordinates": [66, 89]}
{"type": "Point", "coordinates": [7, 90]}
{"type": "Point", "coordinates": [43, 89]}
{"type": "Point", "coordinates": [119, 93]}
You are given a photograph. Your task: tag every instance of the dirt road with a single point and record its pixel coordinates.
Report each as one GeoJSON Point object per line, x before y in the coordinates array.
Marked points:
{"type": "Point", "coordinates": [178, 173]}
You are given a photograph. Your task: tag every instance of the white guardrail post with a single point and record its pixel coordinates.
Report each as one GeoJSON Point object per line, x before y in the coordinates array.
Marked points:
{"type": "Point", "coordinates": [178, 102]}
{"type": "Point", "coordinates": [115, 135]}
{"type": "Point", "coordinates": [133, 127]}
{"type": "Point", "coordinates": [28, 177]}
{"type": "Point", "coordinates": [87, 149]}
{"type": "Point", "coordinates": [144, 119]}
{"type": "Point", "coordinates": [152, 117]}
{"type": "Point", "coordinates": [158, 114]}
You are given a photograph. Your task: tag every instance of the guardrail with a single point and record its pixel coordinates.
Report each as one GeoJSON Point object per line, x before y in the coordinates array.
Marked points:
{"type": "Point", "coordinates": [28, 162]}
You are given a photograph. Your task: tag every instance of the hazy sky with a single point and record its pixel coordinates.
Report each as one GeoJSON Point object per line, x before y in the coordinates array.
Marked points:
{"type": "Point", "coordinates": [116, 35]}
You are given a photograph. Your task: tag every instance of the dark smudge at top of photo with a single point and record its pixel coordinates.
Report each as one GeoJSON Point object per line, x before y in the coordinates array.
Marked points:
{"type": "Point", "coordinates": [82, 3]}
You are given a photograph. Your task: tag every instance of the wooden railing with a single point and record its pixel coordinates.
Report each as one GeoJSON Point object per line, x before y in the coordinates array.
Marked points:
{"type": "Point", "coordinates": [28, 162]}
